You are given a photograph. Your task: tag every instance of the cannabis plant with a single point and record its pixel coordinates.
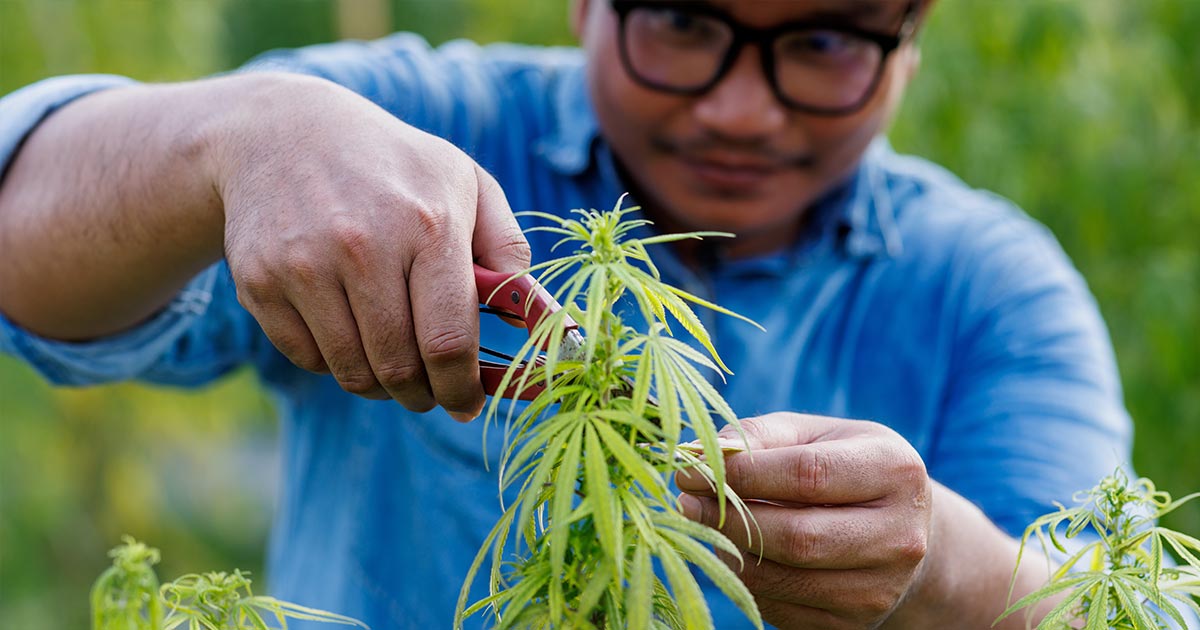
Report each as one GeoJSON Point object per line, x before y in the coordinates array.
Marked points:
{"type": "Point", "coordinates": [1122, 580]}
{"type": "Point", "coordinates": [127, 597]}
{"type": "Point", "coordinates": [592, 454]}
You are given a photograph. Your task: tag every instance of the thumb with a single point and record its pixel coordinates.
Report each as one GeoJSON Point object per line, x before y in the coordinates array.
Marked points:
{"type": "Point", "coordinates": [498, 243]}
{"type": "Point", "coordinates": [779, 430]}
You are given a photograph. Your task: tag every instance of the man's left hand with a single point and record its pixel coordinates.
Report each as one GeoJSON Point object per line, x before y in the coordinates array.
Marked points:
{"type": "Point", "coordinates": [844, 512]}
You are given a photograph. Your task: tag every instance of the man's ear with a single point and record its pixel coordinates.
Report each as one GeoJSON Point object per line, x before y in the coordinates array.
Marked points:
{"type": "Point", "coordinates": [912, 63]}
{"type": "Point", "coordinates": [578, 11]}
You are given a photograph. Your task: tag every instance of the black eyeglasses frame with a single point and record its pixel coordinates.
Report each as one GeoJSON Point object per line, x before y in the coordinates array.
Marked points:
{"type": "Point", "coordinates": [764, 38]}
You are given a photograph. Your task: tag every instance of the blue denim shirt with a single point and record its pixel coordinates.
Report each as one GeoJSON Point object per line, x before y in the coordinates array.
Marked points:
{"type": "Point", "coordinates": [912, 300]}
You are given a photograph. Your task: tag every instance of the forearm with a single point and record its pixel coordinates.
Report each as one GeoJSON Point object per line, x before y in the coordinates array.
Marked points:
{"type": "Point", "coordinates": [964, 580]}
{"type": "Point", "coordinates": [110, 207]}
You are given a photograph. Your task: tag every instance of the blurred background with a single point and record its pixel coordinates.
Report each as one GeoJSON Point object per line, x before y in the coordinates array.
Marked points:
{"type": "Point", "coordinates": [1085, 112]}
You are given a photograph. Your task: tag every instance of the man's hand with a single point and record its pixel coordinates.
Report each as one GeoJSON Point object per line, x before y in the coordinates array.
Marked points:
{"type": "Point", "coordinates": [844, 512]}
{"type": "Point", "coordinates": [855, 535]}
{"type": "Point", "coordinates": [351, 234]}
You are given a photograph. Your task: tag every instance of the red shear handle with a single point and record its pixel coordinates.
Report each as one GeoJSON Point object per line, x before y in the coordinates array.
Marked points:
{"type": "Point", "coordinates": [523, 297]}
{"type": "Point", "coordinates": [492, 373]}
{"type": "Point", "coordinates": [526, 299]}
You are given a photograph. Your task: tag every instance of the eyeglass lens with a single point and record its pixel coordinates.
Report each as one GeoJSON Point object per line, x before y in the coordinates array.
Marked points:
{"type": "Point", "coordinates": [681, 50]}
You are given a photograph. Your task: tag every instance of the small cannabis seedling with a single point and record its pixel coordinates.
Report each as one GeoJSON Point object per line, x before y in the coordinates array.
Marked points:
{"type": "Point", "coordinates": [593, 453]}
{"type": "Point", "coordinates": [1120, 581]}
{"type": "Point", "coordinates": [127, 597]}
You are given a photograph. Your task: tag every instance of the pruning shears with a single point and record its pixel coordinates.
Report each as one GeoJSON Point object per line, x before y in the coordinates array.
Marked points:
{"type": "Point", "coordinates": [520, 299]}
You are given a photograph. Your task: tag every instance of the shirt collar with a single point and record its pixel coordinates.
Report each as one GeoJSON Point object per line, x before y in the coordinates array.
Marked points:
{"type": "Point", "coordinates": [857, 217]}
{"type": "Point", "coordinates": [567, 147]}
{"type": "Point", "coordinates": [864, 212]}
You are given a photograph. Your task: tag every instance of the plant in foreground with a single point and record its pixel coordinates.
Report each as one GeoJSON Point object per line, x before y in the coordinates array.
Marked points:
{"type": "Point", "coordinates": [127, 597]}
{"type": "Point", "coordinates": [1122, 581]}
{"type": "Point", "coordinates": [591, 456]}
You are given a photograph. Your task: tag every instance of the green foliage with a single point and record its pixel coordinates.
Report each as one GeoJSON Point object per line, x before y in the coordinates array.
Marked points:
{"type": "Point", "coordinates": [1110, 583]}
{"type": "Point", "coordinates": [593, 453]}
{"type": "Point", "coordinates": [1084, 112]}
{"type": "Point", "coordinates": [127, 597]}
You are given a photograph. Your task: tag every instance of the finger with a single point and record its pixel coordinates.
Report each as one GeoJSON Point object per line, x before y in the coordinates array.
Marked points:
{"type": "Point", "coordinates": [286, 330]}
{"type": "Point", "coordinates": [445, 310]}
{"type": "Point", "coordinates": [842, 471]}
{"type": "Point", "coordinates": [815, 537]}
{"type": "Point", "coordinates": [389, 341]}
{"type": "Point", "coordinates": [498, 243]}
{"type": "Point", "coordinates": [781, 614]}
{"type": "Point", "coordinates": [774, 430]}
{"type": "Point", "coordinates": [816, 598]}
{"type": "Point", "coordinates": [327, 315]}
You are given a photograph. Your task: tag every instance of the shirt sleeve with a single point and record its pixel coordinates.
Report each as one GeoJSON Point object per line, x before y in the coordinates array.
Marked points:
{"type": "Point", "coordinates": [481, 99]}
{"type": "Point", "coordinates": [1033, 410]}
{"type": "Point", "coordinates": [199, 336]}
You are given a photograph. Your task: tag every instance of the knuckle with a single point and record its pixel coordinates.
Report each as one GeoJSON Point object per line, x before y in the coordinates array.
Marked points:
{"type": "Point", "coordinates": [352, 240]}
{"type": "Point", "coordinates": [516, 248]}
{"type": "Point", "coordinates": [448, 346]}
{"type": "Point", "coordinates": [253, 285]}
{"type": "Point", "coordinates": [799, 543]}
{"type": "Point", "coordinates": [399, 375]}
{"type": "Point", "coordinates": [912, 549]}
{"type": "Point", "coordinates": [432, 223]}
{"type": "Point", "coordinates": [908, 470]}
{"type": "Point", "coordinates": [420, 404]}
{"type": "Point", "coordinates": [812, 470]}
{"type": "Point", "coordinates": [304, 358]}
{"type": "Point", "coordinates": [301, 268]}
{"type": "Point", "coordinates": [357, 382]}
{"type": "Point", "coordinates": [877, 604]}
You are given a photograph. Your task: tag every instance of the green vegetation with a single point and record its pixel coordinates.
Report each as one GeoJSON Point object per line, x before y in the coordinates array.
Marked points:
{"type": "Point", "coordinates": [127, 597]}
{"type": "Point", "coordinates": [593, 454]}
{"type": "Point", "coordinates": [1110, 583]}
{"type": "Point", "coordinates": [1084, 112]}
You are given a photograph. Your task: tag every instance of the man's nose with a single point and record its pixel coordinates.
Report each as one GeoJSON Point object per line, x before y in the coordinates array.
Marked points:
{"type": "Point", "coordinates": [742, 104]}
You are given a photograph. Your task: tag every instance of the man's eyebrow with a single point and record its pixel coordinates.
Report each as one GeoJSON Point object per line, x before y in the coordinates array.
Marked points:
{"type": "Point", "coordinates": [877, 11]}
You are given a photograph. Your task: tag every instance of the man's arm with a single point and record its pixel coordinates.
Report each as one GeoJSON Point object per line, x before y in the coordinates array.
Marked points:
{"type": "Point", "coordinates": [108, 208]}
{"type": "Point", "coordinates": [349, 233]}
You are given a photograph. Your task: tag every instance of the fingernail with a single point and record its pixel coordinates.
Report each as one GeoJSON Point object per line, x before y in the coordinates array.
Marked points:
{"type": "Point", "coordinates": [462, 416]}
{"type": "Point", "coordinates": [689, 506]}
{"type": "Point", "coordinates": [731, 443]}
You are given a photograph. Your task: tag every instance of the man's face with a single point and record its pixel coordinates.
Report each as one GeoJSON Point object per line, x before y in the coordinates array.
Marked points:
{"type": "Point", "coordinates": [735, 157]}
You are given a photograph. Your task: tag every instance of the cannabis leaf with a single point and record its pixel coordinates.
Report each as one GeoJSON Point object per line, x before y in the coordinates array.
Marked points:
{"type": "Point", "coordinates": [1125, 584]}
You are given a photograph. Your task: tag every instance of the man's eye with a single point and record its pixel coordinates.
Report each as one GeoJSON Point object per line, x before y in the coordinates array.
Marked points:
{"type": "Point", "coordinates": [821, 44]}
{"type": "Point", "coordinates": [682, 26]}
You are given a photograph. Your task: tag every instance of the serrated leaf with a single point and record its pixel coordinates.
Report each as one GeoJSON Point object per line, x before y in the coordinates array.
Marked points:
{"type": "Point", "coordinates": [693, 610]}
{"type": "Point", "coordinates": [605, 506]}
{"type": "Point", "coordinates": [641, 588]}
{"type": "Point", "coordinates": [721, 575]}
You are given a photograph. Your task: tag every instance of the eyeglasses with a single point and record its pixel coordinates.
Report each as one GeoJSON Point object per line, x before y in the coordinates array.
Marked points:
{"type": "Point", "coordinates": [817, 67]}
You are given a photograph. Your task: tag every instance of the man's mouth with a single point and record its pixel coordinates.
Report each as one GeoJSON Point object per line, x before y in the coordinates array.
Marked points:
{"type": "Point", "coordinates": [730, 174]}
{"type": "Point", "coordinates": [731, 169]}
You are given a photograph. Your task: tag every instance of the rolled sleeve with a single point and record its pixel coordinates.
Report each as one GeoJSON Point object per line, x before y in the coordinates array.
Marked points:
{"type": "Point", "coordinates": [200, 335]}
{"type": "Point", "coordinates": [136, 353]}
{"type": "Point", "coordinates": [23, 110]}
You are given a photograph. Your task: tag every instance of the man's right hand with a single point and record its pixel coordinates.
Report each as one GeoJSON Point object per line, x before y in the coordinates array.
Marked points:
{"type": "Point", "coordinates": [349, 233]}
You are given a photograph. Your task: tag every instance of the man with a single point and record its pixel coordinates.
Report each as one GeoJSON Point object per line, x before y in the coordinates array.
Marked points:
{"type": "Point", "coordinates": [173, 232]}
